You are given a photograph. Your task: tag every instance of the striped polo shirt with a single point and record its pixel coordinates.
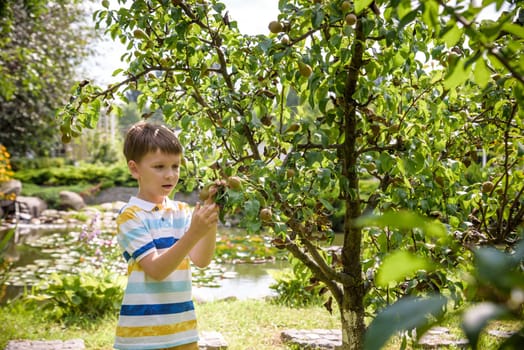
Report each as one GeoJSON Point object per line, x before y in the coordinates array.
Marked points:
{"type": "Point", "coordinates": [155, 314]}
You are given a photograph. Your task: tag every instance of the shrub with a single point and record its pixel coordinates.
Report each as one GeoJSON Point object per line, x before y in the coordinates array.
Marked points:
{"type": "Point", "coordinates": [38, 163]}
{"type": "Point", "coordinates": [108, 176]}
{"type": "Point", "coordinates": [6, 172]}
{"type": "Point", "coordinates": [85, 295]}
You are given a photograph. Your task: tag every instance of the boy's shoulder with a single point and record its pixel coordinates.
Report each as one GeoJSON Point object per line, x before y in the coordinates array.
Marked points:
{"type": "Point", "coordinates": [177, 205]}
{"type": "Point", "coordinates": [135, 205]}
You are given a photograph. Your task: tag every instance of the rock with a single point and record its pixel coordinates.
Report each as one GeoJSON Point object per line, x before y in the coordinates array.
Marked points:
{"type": "Point", "coordinates": [440, 337]}
{"type": "Point", "coordinates": [313, 338]}
{"type": "Point", "coordinates": [211, 340]}
{"type": "Point", "coordinates": [500, 333]}
{"type": "Point", "coordinates": [33, 206]}
{"type": "Point", "coordinates": [10, 187]}
{"type": "Point", "coordinates": [74, 344]}
{"type": "Point", "coordinates": [71, 200]}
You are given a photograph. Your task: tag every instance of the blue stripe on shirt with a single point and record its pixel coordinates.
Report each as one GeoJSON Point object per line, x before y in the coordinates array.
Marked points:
{"type": "Point", "coordinates": [165, 242]}
{"type": "Point", "coordinates": [142, 249]}
{"type": "Point", "coordinates": [159, 243]}
{"type": "Point", "coordinates": [156, 309]}
{"type": "Point", "coordinates": [158, 287]}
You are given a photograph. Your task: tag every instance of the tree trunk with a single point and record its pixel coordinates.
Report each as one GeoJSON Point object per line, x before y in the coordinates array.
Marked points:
{"type": "Point", "coordinates": [351, 304]}
{"type": "Point", "coordinates": [352, 319]}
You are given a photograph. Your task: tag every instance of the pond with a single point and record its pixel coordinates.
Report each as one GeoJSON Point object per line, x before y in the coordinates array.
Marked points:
{"type": "Point", "coordinates": [241, 269]}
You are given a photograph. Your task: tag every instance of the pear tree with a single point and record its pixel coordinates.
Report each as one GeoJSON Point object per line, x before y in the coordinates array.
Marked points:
{"type": "Point", "coordinates": [343, 110]}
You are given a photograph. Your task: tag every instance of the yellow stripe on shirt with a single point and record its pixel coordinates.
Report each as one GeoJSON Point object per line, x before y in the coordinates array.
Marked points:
{"type": "Point", "coordinates": [132, 332]}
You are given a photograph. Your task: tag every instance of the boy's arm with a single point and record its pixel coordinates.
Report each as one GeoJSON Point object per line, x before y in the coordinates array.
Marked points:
{"type": "Point", "coordinates": [196, 242]}
{"type": "Point", "coordinates": [203, 252]}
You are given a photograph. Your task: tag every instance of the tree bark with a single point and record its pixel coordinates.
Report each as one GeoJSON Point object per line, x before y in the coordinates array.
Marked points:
{"type": "Point", "coordinates": [352, 304]}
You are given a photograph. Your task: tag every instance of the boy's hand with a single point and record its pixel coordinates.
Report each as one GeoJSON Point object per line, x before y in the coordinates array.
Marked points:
{"type": "Point", "coordinates": [205, 218]}
{"type": "Point", "coordinates": [213, 190]}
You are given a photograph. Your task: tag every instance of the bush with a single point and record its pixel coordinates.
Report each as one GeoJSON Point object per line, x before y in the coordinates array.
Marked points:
{"type": "Point", "coordinates": [69, 175]}
{"type": "Point", "coordinates": [6, 172]}
{"type": "Point", "coordinates": [85, 295]}
{"type": "Point", "coordinates": [38, 163]}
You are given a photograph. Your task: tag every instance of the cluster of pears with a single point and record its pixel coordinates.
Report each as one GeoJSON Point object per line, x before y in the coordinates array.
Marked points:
{"type": "Point", "coordinates": [233, 183]}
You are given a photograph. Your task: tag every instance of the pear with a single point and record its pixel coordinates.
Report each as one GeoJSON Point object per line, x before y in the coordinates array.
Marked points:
{"type": "Point", "coordinates": [487, 187]}
{"type": "Point", "coordinates": [266, 214]}
{"type": "Point", "coordinates": [139, 34]}
{"type": "Point", "coordinates": [304, 69]}
{"type": "Point", "coordinates": [275, 27]}
{"type": "Point", "coordinates": [351, 19]}
{"type": "Point", "coordinates": [234, 182]}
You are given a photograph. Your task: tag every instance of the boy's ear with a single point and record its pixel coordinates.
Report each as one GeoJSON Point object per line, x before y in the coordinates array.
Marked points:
{"type": "Point", "coordinates": [133, 169]}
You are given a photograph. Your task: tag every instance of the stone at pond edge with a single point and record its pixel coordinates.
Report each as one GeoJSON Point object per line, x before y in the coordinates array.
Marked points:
{"type": "Point", "coordinates": [71, 200]}
{"type": "Point", "coordinates": [33, 206]}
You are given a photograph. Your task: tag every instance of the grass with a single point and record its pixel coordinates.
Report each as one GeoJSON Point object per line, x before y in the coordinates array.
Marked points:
{"type": "Point", "coordinates": [256, 324]}
{"type": "Point", "coordinates": [245, 324]}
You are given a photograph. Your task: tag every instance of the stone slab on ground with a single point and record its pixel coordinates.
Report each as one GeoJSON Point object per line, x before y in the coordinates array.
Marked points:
{"type": "Point", "coordinates": [208, 341]}
{"type": "Point", "coordinates": [73, 344]}
{"type": "Point", "coordinates": [211, 340]}
{"type": "Point", "coordinates": [439, 338]}
{"type": "Point", "coordinates": [313, 338]}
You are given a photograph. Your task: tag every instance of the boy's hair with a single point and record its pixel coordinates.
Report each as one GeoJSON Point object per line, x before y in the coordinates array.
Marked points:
{"type": "Point", "coordinates": [144, 137]}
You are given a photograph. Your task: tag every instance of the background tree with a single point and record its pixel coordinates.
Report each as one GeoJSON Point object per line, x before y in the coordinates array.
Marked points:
{"type": "Point", "coordinates": [40, 47]}
{"type": "Point", "coordinates": [405, 95]}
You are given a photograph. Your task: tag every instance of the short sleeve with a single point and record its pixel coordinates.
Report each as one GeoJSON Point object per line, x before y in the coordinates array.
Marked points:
{"type": "Point", "coordinates": [134, 237]}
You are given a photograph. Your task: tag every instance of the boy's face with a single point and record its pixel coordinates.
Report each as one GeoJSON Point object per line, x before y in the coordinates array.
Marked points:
{"type": "Point", "coordinates": [157, 174]}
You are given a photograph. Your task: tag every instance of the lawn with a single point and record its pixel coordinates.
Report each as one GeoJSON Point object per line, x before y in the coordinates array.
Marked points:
{"type": "Point", "coordinates": [245, 324]}
{"type": "Point", "coordinates": [252, 324]}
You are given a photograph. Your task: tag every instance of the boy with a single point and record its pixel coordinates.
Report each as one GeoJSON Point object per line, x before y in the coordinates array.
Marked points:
{"type": "Point", "coordinates": [159, 237]}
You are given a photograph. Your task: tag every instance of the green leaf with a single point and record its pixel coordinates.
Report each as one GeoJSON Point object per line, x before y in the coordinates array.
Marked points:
{"type": "Point", "coordinates": [458, 76]}
{"type": "Point", "coordinates": [481, 73]}
{"type": "Point", "coordinates": [403, 8]}
{"type": "Point", "coordinates": [514, 29]}
{"type": "Point", "coordinates": [496, 268]}
{"type": "Point", "coordinates": [430, 14]}
{"type": "Point", "coordinates": [361, 5]}
{"type": "Point", "coordinates": [398, 219]}
{"type": "Point", "coordinates": [477, 317]}
{"type": "Point", "coordinates": [326, 204]}
{"type": "Point", "coordinates": [399, 265]}
{"type": "Point", "coordinates": [405, 220]}
{"type": "Point", "coordinates": [452, 36]}
{"type": "Point", "coordinates": [5, 240]}
{"type": "Point", "coordinates": [406, 314]}
{"type": "Point", "coordinates": [317, 18]}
